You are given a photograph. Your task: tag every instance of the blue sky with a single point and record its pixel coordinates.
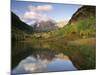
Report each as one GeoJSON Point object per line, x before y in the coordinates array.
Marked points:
{"type": "Point", "coordinates": [53, 11]}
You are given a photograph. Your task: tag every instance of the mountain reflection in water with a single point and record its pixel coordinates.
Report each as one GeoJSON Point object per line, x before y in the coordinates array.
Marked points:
{"type": "Point", "coordinates": [31, 64]}
{"type": "Point", "coordinates": [29, 58]}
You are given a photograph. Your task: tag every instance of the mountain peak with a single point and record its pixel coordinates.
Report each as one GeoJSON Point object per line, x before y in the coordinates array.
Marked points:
{"type": "Point", "coordinates": [42, 25]}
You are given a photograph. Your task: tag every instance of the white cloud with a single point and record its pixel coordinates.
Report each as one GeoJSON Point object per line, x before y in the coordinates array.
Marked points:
{"type": "Point", "coordinates": [31, 15]}
{"type": "Point", "coordinates": [36, 13]}
{"type": "Point", "coordinates": [43, 8]}
{"type": "Point", "coordinates": [35, 16]}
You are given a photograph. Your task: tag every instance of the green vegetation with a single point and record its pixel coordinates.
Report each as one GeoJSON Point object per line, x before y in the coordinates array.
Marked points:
{"type": "Point", "coordinates": [77, 39]}
{"type": "Point", "coordinates": [83, 56]}
{"type": "Point", "coordinates": [20, 30]}
{"type": "Point", "coordinates": [82, 29]}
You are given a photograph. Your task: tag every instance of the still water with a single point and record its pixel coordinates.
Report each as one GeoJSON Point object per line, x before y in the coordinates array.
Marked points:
{"type": "Point", "coordinates": [30, 58]}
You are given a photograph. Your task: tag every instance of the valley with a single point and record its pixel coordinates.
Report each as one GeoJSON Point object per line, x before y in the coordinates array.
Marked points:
{"type": "Point", "coordinates": [76, 39]}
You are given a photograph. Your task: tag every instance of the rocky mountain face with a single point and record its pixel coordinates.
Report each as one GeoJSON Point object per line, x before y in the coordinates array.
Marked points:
{"type": "Point", "coordinates": [82, 13]}
{"type": "Point", "coordinates": [44, 26]}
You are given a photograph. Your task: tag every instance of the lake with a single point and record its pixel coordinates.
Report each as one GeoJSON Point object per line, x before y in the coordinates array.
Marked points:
{"type": "Point", "coordinates": [33, 58]}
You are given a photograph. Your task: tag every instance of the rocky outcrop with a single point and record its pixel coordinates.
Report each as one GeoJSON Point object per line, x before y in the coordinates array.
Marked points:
{"type": "Point", "coordinates": [45, 26]}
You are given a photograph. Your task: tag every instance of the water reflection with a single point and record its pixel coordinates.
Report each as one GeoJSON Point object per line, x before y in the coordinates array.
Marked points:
{"type": "Point", "coordinates": [32, 64]}
{"type": "Point", "coordinates": [33, 58]}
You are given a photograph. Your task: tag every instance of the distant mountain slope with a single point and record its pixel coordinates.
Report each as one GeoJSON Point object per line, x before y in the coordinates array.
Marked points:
{"type": "Point", "coordinates": [81, 25]}
{"type": "Point", "coordinates": [18, 28]}
{"type": "Point", "coordinates": [62, 23]}
{"type": "Point", "coordinates": [83, 13]}
{"type": "Point", "coordinates": [45, 26]}
{"type": "Point", "coordinates": [16, 22]}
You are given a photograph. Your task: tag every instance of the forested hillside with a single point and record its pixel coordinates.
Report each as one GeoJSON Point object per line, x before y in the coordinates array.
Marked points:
{"type": "Point", "coordinates": [81, 25]}
{"type": "Point", "coordinates": [19, 28]}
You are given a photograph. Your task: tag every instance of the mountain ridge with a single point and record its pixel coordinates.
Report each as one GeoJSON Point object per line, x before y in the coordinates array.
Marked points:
{"type": "Point", "coordinates": [19, 28]}
{"type": "Point", "coordinates": [82, 13]}
{"type": "Point", "coordinates": [45, 26]}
